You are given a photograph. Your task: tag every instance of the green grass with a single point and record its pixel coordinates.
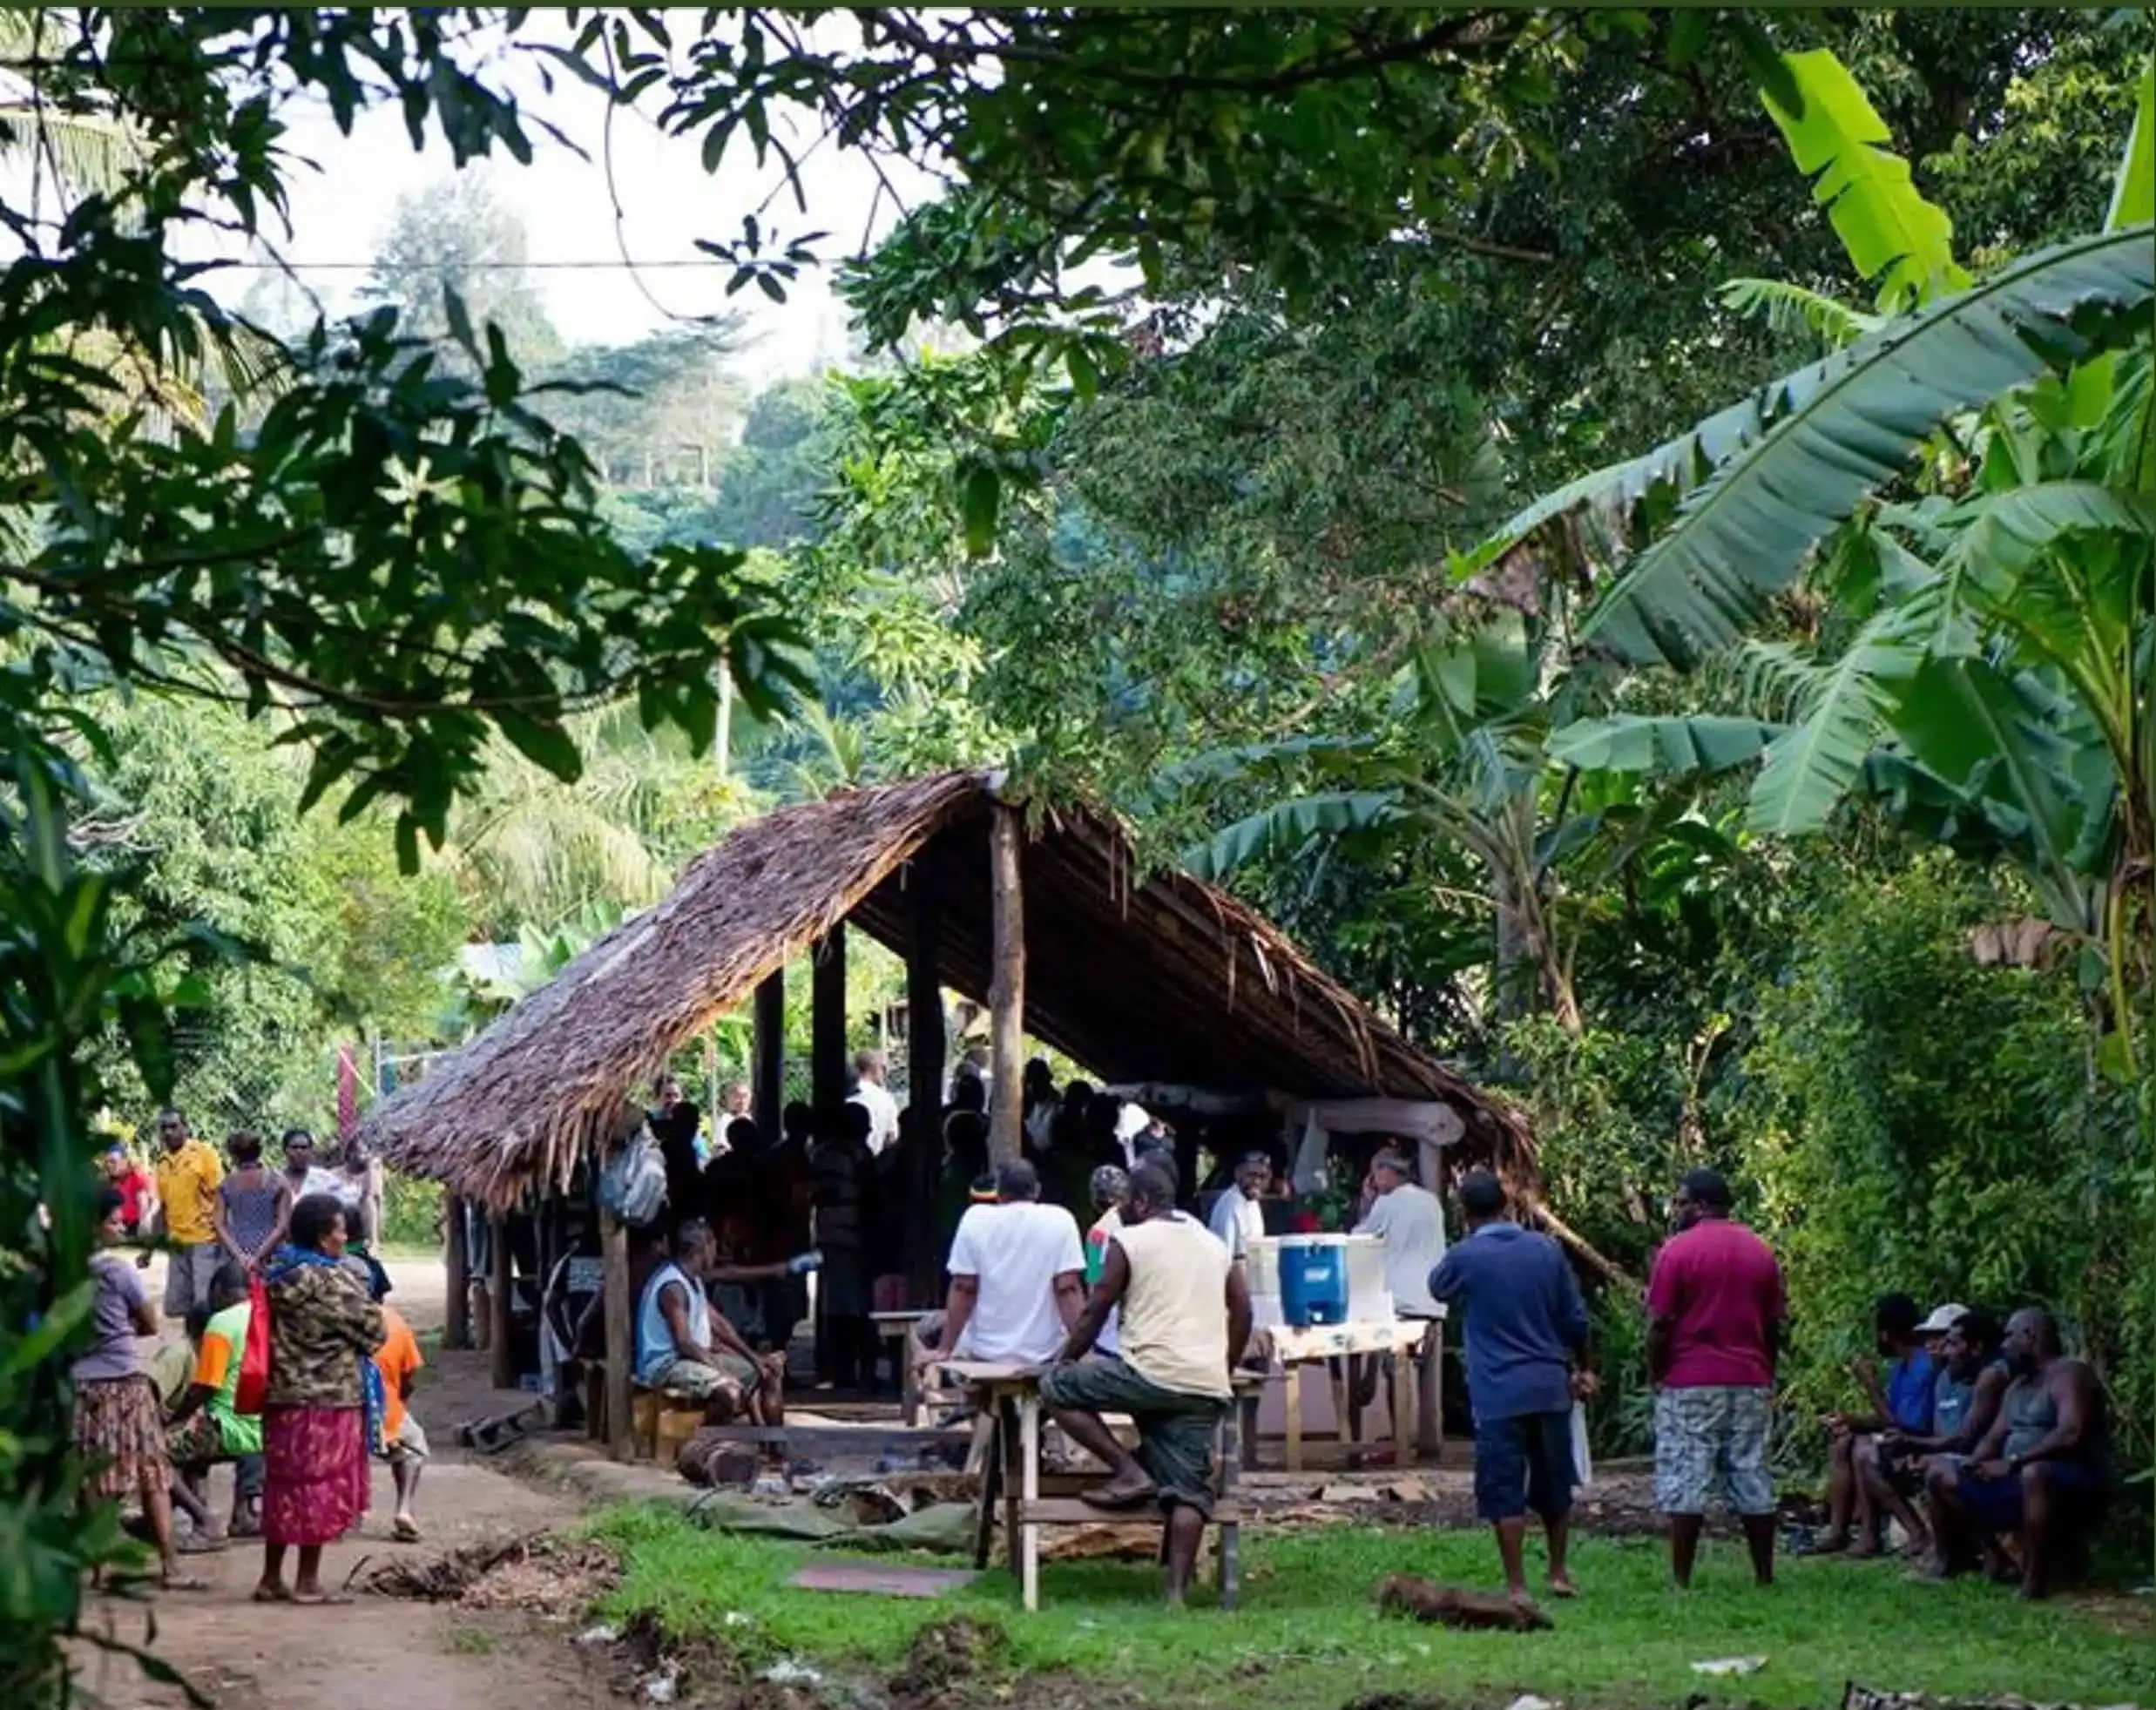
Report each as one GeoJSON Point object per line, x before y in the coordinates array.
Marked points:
{"type": "Point", "coordinates": [1305, 1634]}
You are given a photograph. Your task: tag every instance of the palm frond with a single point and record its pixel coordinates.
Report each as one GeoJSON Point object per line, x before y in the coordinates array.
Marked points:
{"type": "Point", "coordinates": [1833, 432]}
{"type": "Point", "coordinates": [1792, 311]}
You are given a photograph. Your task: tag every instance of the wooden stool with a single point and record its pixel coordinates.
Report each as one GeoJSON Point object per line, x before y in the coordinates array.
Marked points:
{"type": "Point", "coordinates": [1007, 1445]}
{"type": "Point", "coordinates": [660, 1421]}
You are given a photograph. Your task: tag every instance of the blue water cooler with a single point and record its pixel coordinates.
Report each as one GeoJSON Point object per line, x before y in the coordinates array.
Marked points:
{"type": "Point", "coordinates": [1314, 1281]}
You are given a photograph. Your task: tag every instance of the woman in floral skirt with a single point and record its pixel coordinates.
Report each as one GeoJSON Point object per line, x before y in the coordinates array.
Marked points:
{"type": "Point", "coordinates": [323, 1331]}
{"type": "Point", "coordinates": [119, 1429]}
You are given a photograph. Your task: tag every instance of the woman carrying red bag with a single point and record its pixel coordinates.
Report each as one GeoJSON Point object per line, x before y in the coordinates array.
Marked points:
{"type": "Point", "coordinates": [323, 1331]}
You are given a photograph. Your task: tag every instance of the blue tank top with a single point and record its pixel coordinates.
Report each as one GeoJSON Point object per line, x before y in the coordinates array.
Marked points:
{"type": "Point", "coordinates": [1949, 1402]}
{"type": "Point", "coordinates": [654, 1340]}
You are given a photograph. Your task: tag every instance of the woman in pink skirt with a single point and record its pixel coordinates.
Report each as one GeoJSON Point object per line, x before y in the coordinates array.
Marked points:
{"type": "Point", "coordinates": [323, 1331]}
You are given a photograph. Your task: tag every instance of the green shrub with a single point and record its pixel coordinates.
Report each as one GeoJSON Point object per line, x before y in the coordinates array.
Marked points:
{"type": "Point", "coordinates": [1918, 1122]}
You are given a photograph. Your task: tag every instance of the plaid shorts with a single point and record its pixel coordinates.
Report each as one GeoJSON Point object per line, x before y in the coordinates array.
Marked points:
{"type": "Point", "coordinates": [1712, 1441]}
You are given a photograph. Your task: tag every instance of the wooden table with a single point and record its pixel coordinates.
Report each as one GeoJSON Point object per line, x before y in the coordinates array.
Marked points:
{"type": "Point", "coordinates": [896, 1327]}
{"type": "Point", "coordinates": [1011, 1407]}
{"type": "Point", "coordinates": [1297, 1347]}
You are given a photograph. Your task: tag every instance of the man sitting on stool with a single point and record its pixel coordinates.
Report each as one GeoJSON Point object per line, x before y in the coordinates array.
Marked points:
{"type": "Point", "coordinates": [1185, 1319]}
{"type": "Point", "coordinates": [681, 1344]}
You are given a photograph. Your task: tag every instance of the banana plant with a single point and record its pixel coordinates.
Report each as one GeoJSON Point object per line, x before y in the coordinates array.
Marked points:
{"type": "Point", "coordinates": [1461, 764]}
{"type": "Point", "coordinates": [2001, 610]}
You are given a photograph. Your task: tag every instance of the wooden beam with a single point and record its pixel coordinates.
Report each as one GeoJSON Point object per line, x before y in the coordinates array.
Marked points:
{"type": "Point", "coordinates": [457, 1281]}
{"type": "Point", "coordinates": [767, 1072]}
{"type": "Point", "coordinates": [827, 1026]}
{"type": "Point", "coordinates": [925, 1052]}
{"type": "Point", "coordinates": [500, 1357]}
{"type": "Point", "coordinates": [1006, 990]}
{"type": "Point", "coordinates": [621, 1351]}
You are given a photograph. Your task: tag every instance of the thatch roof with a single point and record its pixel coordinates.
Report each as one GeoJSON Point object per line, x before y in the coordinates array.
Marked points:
{"type": "Point", "coordinates": [1161, 979]}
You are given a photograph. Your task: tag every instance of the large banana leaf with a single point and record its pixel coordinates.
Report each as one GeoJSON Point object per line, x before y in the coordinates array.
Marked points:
{"type": "Point", "coordinates": [1892, 233]}
{"type": "Point", "coordinates": [1670, 747]}
{"type": "Point", "coordinates": [1290, 824]}
{"type": "Point", "coordinates": [1808, 770]}
{"type": "Point", "coordinates": [2133, 192]}
{"type": "Point", "coordinates": [2005, 535]}
{"type": "Point", "coordinates": [1983, 733]}
{"type": "Point", "coordinates": [1845, 425]}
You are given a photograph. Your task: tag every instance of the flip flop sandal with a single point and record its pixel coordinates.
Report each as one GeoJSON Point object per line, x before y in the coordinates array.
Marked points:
{"type": "Point", "coordinates": [405, 1531]}
{"type": "Point", "coordinates": [185, 1582]}
{"type": "Point", "coordinates": [204, 1546]}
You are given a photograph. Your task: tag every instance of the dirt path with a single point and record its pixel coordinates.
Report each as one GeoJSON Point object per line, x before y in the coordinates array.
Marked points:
{"type": "Point", "coordinates": [388, 1654]}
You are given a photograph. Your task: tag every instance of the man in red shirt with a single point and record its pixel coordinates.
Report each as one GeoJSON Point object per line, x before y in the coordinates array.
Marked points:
{"type": "Point", "coordinates": [1715, 1308]}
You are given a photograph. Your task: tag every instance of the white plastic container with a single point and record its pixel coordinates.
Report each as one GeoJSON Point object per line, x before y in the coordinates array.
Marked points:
{"type": "Point", "coordinates": [1368, 1300]}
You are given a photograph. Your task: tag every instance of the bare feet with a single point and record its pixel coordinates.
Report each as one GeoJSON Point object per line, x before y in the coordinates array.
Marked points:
{"type": "Point", "coordinates": [176, 1581]}
{"type": "Point", "coordinates": [1561, 1586]}
{"type": "Point", "coordinates": [405, 1529]}
{"type": "Point", "coordinates": [1125, 1490]}
{"type": "Point", "coordinates": [1833, 1545]}
{"type": "Point", "coordinates": [272, 1591]}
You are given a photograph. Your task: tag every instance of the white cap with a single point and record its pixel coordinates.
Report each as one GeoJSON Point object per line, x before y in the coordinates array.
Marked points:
{"type": "Point", "coordinates": [1942, 1319]}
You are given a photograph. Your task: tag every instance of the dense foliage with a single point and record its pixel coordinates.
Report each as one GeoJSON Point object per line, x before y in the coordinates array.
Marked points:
{"type": "Point", "coordinates": [1276, 320]}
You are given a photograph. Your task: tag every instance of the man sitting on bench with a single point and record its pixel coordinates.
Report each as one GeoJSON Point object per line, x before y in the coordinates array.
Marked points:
{"type": "Point", "coordinates": [1184, 1321]}
{"type": "Point", "coordinates": [683, 1346]}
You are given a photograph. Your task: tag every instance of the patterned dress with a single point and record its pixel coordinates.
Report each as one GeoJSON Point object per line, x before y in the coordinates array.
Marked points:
{"type": "Point", "coordinates": [322, 1326]}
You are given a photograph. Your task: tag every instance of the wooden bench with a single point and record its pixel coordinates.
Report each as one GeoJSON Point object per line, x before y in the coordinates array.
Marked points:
{"type": "Point", "coordinates": [1007, 1447]}
{"type": "Point", "coordinates": [896, 1328]}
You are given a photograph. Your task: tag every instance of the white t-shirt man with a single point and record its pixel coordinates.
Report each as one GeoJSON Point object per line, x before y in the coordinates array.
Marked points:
{"type": "Point", "coordinates": [1237, 1219]}
{"type": "Point", "coordinates": [1015, 1252]}
{"type": "Point", "coordinates": [1413, 1226]}
{"type": "Point", "coordinates": [883, 1110]}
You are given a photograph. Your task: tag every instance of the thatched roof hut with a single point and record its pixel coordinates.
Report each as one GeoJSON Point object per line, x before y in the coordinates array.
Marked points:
{"type": "Point", "coordinates": [1141, 978]}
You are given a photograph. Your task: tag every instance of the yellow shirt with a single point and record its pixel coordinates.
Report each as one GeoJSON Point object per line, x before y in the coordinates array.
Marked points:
{"type": "Point", "coordinates": [187, 1181]}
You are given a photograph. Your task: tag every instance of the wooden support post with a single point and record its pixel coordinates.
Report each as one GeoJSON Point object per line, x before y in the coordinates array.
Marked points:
{"type": "Point", "coordinates": [501, 1358]}
{"type": "Point", "coordinates": [620, 1352]}
{"type": "Point", "coordinates": [456, 1266]}
{"type": "Point", "coordinates": [1006, 991]}
{"type": "Point", "coordinates": [826, 1025]}
{"type": "Point", "coordinates": [924, 1082]}
{"type": "Point", "coordinates": [767, 1072]}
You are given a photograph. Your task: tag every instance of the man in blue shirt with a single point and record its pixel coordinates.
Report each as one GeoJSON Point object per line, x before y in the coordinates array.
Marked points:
{"type": "Point", "coordinates": [1526, 1329]}
{"type": "Point", "coordinates": [1900, 1402]}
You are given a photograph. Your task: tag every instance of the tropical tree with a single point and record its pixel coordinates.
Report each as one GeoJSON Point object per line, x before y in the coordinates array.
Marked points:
{"type": "Point", "coordinates": [1986, 660]}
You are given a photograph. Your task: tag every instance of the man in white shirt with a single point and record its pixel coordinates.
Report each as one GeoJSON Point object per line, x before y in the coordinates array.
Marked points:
{"type": "Point", "coordinates": [1412, 1224]}
{"type": "Point", "coordinates": [1018, 1276]}
{"type": "Point", "coordinates": [1237, 1218]}
{"type": "Point", "coordinates": [873, 1096]}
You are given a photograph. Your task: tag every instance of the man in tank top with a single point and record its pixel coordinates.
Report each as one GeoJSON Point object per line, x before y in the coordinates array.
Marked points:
{"type": "Point", "coordinates": [2042, 1471]}
{"type": "Point", "coordinates": [1183, 1321]}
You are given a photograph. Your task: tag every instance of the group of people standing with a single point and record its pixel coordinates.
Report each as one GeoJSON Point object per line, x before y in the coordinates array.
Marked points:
{"type": "Point", "coordinates": [207, 1210]}
{"type": "Point", "coordinates": [332, 1392]}
{"type": "Point", "coordinates": [2003, 1440]}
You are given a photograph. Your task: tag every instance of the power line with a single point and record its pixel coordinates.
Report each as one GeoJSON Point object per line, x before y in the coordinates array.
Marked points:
{"type": "Point", "coordinates": [614, 263]}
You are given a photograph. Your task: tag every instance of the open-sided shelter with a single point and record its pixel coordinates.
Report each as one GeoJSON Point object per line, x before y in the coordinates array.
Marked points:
{"type": "Point", "coordinates": [1145, 978]}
